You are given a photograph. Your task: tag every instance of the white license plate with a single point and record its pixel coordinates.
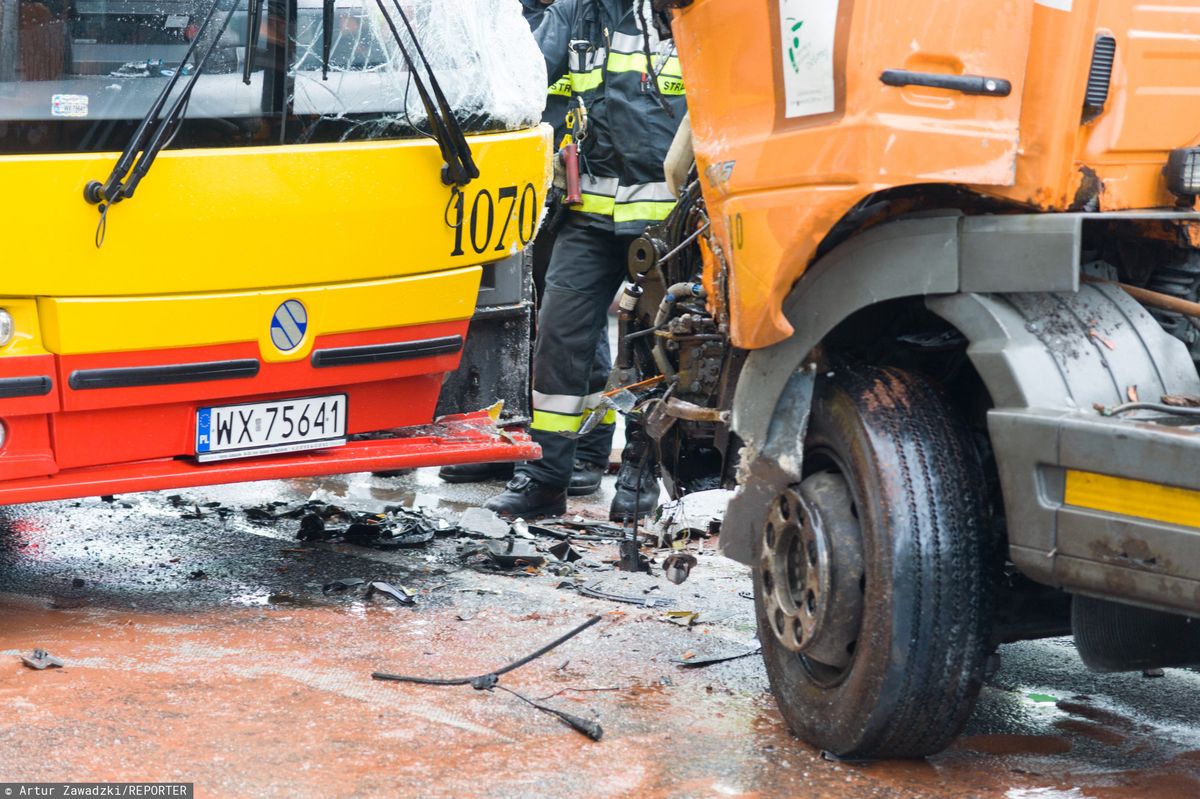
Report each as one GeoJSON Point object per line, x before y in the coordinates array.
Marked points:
{"type": "Point", "coordinates": [267, 428]}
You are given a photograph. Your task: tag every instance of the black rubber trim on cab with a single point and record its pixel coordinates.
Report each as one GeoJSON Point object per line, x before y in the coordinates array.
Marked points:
{"type": "Point", "coordinates": [171, 374]}
{"type": "Point", "coordinates": [381, 353]}
{"type": "Point", "coordinates": [11, 387]}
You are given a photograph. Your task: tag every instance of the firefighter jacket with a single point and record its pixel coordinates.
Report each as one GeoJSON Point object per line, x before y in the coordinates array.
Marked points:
{"type": "Point", "coordinates": [559, 94]}
{"type": "Point", "coordinates": [599, 44]}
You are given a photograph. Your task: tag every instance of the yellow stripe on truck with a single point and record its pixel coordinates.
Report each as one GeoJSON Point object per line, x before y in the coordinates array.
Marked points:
{"type": "Point", "coordinates": [76, 325]}
{"type": "Point", "coordinates": [1135, 498]}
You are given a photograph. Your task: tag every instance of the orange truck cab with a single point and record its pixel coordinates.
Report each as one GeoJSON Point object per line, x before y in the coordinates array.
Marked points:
{"type": "Point", "coordinates": [947, 349]}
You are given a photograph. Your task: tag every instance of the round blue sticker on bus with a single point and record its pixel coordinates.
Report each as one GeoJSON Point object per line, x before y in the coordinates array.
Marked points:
{"type": "Point", "coordinates": [288, 325]}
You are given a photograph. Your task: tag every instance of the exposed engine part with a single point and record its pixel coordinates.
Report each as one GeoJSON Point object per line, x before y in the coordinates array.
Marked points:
{"type": "Point", "coordinates": [1180, 280]}
{"type": "Point", "coordinates": [667, 330]}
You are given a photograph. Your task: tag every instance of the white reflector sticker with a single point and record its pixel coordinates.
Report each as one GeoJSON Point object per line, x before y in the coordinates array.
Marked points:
{"type": "Point", "coordinates": [808, 30]}
{"type": "Point", "coordinates": [1061, 5]}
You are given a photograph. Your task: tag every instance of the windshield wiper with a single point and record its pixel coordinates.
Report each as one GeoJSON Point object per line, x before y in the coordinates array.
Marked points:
{"type": "Point", "coordinates": [253, 23]}
{"type": "Point", "coordinates": [153, 133]}
{"type": "Point", "coordinates": [460, 168]}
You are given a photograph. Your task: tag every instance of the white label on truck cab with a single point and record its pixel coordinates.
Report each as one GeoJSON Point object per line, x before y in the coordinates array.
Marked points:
{"type": "Point", "coordinates": [1061, 5]}
{"type": "Point", "coordinates": [808, 28]}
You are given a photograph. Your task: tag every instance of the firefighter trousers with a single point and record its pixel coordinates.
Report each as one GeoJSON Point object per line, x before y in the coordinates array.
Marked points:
{"type": "Point", "coordinates": [571, 356]}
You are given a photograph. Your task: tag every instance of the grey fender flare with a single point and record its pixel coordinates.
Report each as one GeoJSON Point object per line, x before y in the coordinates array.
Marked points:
{"type": "Point", "coordinates": [937, 254]}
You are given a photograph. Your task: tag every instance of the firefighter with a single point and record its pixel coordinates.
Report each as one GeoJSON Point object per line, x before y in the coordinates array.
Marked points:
{"type": "Point", "coordinates": [594, 450]}
{"type": "Point", "coordinates": [631, 86]}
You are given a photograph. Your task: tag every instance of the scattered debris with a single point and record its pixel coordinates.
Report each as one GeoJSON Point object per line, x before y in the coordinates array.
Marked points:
{"type": "Point", "coordinates": [678, 566]}
{"type": "Point", "coordinates": [695, 515]}
{"type": "Point", "coordinates": [1152, 673]}
{"type": "Point", "coordinates": [593, 590]}
{"type": "Point", "coordinates": [78, 582]}
{"type": "Point", "coordinates": [397, 527]}
{"type": "Point", "coordinates": [198, 574]}
{"type": "Point", "coordinates": [41, 660]}
{"type": "Point", "coordinates": [405, 596]}
{"type": "Point", "coordinates": [684, 618]}
{"type": "Point", "coordinates": [1181, 401]}
{"type": "Point", "coordinates": [691, 660]}
{"type": "Point", "coordinates": [483, 522]}
{"type": "Point", "coordinates": [632, 559]}
{"type": "Point", "coordinates": [513, 553]}
{"type": "Point", "coordinates": [346, 583]}
{"type": "Point", "coordinates": [565, 552]}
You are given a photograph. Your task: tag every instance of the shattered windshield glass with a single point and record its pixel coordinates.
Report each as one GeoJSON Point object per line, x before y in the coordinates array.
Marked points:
{"type": "Point", "coordinates": [78, 75]}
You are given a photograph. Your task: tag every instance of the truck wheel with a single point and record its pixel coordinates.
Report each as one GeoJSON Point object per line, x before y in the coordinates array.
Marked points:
{"type": "Point", "coordinates": [873, 577]}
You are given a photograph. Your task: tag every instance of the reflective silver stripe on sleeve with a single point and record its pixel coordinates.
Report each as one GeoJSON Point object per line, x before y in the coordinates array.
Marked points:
{"type": "Point", "coordinates": [645, 192]}
{"type": "Point", "coordinates": [559, 403]}
{"type": "Point", "coordinates": [587, 60]}
{"type": "Point", "coordinates": [605, 187]}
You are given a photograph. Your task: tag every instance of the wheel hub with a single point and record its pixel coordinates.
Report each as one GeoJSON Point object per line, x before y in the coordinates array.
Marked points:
{"type": "Point", "coordinates": [812, 570]}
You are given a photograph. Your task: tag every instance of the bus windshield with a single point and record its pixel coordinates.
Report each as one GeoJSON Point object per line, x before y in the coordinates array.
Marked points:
{"type": "Point", "coordinates": [78, 75]}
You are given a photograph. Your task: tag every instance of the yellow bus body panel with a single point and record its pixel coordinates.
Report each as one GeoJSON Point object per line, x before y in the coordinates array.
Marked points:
{"type": "Point", "coordinates": [77, 325]}
{"type": "Point", "coordinates": [226, 219]}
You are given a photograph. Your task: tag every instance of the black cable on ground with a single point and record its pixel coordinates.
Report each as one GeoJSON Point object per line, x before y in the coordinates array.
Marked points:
{"type": "Point", "coordinates": [489, 680]}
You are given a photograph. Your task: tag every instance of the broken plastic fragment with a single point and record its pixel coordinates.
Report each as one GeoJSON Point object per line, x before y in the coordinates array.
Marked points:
{"type": "Point", "coordinates": [337, 586]}
{"type": "Point", "coordinates": [405, 596]}
{"type": "Point", "coordinates": [678, 566]}
{"type": "Point", "coordinates": [41, 660]}
{"type": "Point", "coordinates": [483, 522]}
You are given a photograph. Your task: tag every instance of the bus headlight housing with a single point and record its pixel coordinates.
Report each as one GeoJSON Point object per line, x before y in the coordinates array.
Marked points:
{"type": "Point", "coordinates": [7, 328]}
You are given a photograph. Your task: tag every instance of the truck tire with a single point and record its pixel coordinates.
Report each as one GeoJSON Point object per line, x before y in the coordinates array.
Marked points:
{"type": "Point", "coordinates": [873, 576]}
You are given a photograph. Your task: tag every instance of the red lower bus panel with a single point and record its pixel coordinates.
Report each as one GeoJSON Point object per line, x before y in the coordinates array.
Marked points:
{"type": "Point", "coordinates": [472, 438]}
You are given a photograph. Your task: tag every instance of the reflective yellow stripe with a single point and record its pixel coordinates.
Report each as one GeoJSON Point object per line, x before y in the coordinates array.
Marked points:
{"type": "Point", "coordinates": [595, 204]}
{"type": "Point", "coordinates": [636, 62]}
{"type": "Point", "coordinates": [561, 88]}
{"type": "Point", "coordinates": [549, 422]}
{"type": "Point", "coordinates": [610, 417]}
{"type": "Point", "coordinates": [586, 81]}
{"type": "Point", "coordinates": [671, 85]}
{"type": "Point", "coordinates": [1134, 498]}
{"type": "Point", "coordinates": [648, 211]}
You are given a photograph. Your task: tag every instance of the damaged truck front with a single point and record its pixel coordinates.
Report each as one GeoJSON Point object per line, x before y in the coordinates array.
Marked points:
{"type": "Point", "coordinates": [931, 302]}
{"type": "Point", "coordinates": [332, 203]}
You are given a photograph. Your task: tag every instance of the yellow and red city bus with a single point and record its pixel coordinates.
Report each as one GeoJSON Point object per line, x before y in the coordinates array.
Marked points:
{"type": "Point", "coordinates": [295, 274]}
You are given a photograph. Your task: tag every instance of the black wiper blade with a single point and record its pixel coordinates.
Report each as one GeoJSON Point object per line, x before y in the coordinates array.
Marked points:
{"type": "Point", "coordinates": [96, 192]}
{"type": "Point", "coordinates": [458, 139]}
{"type": "Point", "coordinates": [454, 172]}
{"type": "Point", "coordinates": [253, 24]}
{"type": "Point", "coordinates": [166, 130]}
{"type": "Point", "coordinates": [326, 36]}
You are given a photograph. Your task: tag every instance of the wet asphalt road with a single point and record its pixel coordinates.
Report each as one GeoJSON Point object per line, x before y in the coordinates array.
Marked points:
{"type": "Point", "coordinates": [199, 647]}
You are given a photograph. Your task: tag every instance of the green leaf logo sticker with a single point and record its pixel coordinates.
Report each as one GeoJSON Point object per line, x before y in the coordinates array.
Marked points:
{"type": "Point", "coordinates": [795, 46]}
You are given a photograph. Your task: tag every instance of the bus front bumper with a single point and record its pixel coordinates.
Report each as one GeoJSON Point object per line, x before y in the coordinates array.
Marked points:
{"type": "Point", "coordinates": [467, 438]}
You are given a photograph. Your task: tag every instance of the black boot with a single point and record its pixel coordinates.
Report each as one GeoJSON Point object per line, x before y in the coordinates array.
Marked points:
{"type": "Point", "coordinates": [585, 478]}
{"type": "Point", "coordinates": [528, 499]}
{"type": "Point", "coordinates": [631, 494]}
{"type": "Point", "coordinates": [476, 472]}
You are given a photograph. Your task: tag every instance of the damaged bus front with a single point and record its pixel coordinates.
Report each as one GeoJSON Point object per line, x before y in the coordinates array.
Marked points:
{"type": "Point", "coordinates": [251, 239]}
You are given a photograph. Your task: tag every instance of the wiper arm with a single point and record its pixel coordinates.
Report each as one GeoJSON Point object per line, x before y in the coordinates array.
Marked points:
{"type": "Point", "coordinates": [326, 36]}
{"type": "Point", "coordinates": [460, 168]}
{"type": "Point", "coordinates": [167, 128]}
{"type": "Point", "coordinates": [110, 191]}
{"type": "Point", "coordinates": [253, 24]}
{"type": "Point", "coordinates": [459, 141]}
